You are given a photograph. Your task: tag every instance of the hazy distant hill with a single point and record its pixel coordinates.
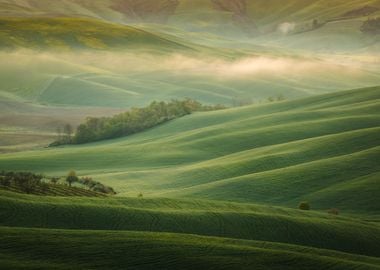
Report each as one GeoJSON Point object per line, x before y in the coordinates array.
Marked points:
{"type": "Point", "coordinates": [249, 17]}
{"type": "Point", "coordinates": [79, 33]}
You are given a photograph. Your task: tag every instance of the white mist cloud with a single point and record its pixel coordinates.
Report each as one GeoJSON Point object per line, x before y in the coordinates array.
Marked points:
{"type": "Point", "coordinates": [124, 63]}
{"type": "Point", "coordinates": [286, 27]}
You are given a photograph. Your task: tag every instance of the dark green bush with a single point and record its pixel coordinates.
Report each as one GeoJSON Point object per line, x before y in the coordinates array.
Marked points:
{"type": "Point", "coordinates": [333, 211]}
{"type": "Point", "coordinates": [304, 206]}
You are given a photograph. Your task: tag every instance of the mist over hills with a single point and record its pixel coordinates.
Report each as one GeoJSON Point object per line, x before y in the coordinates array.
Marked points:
{"type": "Point", "coordinates": [117, 54]}
{"type": "Point", "coordinates": [284, 176]}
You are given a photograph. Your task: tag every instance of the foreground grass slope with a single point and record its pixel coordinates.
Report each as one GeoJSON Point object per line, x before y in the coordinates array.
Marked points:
{"type": "Point", "coordinates": [137, 250]}
{"type": "Point", "coordinates": [207, 218]}
{"type": "Point", "coordinates": [320, 148]}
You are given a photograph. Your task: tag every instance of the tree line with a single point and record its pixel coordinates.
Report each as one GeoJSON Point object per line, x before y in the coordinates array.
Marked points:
{"type": "Point", "coordinates": [89, 183]}
{"type": "Point", "coordinates": [130, 122]}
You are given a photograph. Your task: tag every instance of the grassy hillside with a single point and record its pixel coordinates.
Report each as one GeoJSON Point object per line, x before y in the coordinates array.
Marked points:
{"type": "Point", "coordinates": [42, 91]}
{"type": "Point", "coordinates": [200, 15]}
{"type": "Point", "coordinates": [318, 149]}
{"type": "Point", "coordinates": [77, 33]}
{"type": "Point", "coordinates": [298, 10]}
{"type": "Point", "coordinates": [220, 219]}
{"type": "Point", "coordinates": [206, 18]}
{"type": "Point", "coordinates": [55, 80]}
{"type": "Point", "coordinates": [211, 190]}
{"type": "Point", "coordinates": [136, 250]}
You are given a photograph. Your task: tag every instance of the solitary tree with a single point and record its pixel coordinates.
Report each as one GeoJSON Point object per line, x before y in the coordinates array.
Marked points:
{"type": "Point", "coordinates": [281, 97]}
{"type": "Point", "coordinates": [59, 134]}
{"type": "Point", "coordinates": [68, 130]}
{"type": "Point", "coordinates": [71, 178]}
{"type": "Point", "coordinates": [315, 24]}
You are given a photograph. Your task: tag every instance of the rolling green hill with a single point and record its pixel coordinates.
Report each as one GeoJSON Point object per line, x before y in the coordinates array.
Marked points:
{"type": "Point", "coordinates": [318, 149]}
{"type": "Point", "coordinates": [77, 33]}
{"type": "Point", "coordinates": [201, 21]}
{"type": "Point", "coordinates": [200, 15]}
{"type": "Point", "coordinates": [137, 250]}
{"type": "Point", "coordinates": [211, 190]}
{"type": "Point", "coordinates": [62, 79]}
{"type": "Point", "coordinates": [199, 217]}
{"type": "Point", "coordinates": [41, 91]}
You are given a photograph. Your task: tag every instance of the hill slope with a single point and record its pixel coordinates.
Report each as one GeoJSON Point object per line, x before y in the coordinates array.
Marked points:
{"type": "Point", "coordinates": [210, 15]}
{"type": "Point", "coordinates": [216, 190]}
{"type": "Point", "coordinates": [319, 148]}
{"type": "Point", "coordinates": [135, 250]}
{"type": "Point", "coordinates": [207, 218]}
{"type": "Point", "coordinates": [77, 33]}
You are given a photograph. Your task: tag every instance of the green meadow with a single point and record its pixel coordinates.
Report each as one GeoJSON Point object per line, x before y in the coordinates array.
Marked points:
{"type": "Point", "coordinates": [299, 83]}
{"type": "Point", "coordinates": [232, 174]}
{"type": "Point", "coordinates": [257, 153]}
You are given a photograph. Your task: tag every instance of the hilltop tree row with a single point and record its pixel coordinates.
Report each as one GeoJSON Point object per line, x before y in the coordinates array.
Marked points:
{"type": "Point", "coordinates": [132, 121]}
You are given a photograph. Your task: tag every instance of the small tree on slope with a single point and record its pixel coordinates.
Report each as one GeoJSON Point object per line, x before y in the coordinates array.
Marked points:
{"type": "Point", "coordinates": [71, 178]}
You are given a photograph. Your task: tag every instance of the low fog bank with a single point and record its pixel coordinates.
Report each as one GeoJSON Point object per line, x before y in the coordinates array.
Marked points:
{"type": "Point", "coordinates": [128, 63]}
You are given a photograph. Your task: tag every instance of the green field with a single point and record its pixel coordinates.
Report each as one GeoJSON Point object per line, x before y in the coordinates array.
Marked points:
{"type": "Point", "coordinates": [137, 250]}
{"type": "Point", "coordinates": [216, 190]}
{"type": "Point", "coordinates": [77, 33]}
{"type": "Point", "coordinates": [322, 149]}
{"type": "Point", "coordinates": [259, 153]}
{"type": "Point", "coordinates": [292, 236]}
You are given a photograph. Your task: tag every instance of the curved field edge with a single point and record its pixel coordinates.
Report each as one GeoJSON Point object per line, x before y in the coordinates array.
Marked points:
{"type": "Point", "coordinates": [193, 217]}
{"type": "Point", "coordinates": [141, 250]}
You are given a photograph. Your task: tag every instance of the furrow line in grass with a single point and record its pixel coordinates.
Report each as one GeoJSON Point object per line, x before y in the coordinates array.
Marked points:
{"type": "Point", "coordinates": [278, 170]}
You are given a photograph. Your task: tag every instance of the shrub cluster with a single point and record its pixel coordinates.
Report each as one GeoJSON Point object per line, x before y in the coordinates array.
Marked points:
{"type": "Point", "coordinates": [96, 186]}
{"type": "Point", "coordinates": [29, 182]}
{"type": "Point", "coordinates": [25, 181]}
